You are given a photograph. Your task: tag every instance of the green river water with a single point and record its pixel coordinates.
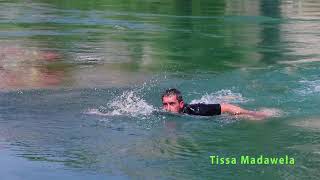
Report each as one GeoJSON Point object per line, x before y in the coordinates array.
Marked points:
{"type": "Point", "coordinates": [80, 86]}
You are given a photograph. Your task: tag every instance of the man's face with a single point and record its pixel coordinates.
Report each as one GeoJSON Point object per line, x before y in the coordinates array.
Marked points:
{"type": "Point", "coordinates": [171, 104]}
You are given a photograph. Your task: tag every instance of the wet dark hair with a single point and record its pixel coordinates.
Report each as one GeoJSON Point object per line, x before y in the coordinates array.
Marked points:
{"type": "Point", "coordinates": [171, 92]}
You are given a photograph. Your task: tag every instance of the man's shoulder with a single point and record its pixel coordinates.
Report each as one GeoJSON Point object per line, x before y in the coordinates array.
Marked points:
{"type": "Point", "coordinates": [201, 104]}
{"type": "Point", "coordinates": [202, 109]}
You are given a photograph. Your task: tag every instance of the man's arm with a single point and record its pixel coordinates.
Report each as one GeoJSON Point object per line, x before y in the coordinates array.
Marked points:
{"type": "Point", "coordinates": [235, 110]}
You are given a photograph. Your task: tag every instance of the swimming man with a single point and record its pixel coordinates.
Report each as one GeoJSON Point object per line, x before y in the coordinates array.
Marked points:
{"type": "Point", "coordinates": [172, 101]}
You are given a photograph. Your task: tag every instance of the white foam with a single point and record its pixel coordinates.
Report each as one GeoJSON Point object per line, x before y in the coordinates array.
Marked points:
{"type": "Point", "coordinates": [309, 123]}
{"type": "Point", "coordinates": [222, 96]}
{"type": "Point", "coordinates": [309, 87]}
{"type": "Point", "coordinates": [129, 103]}
{"type": "Point", "coordinates": [96, 112]}
{"type": "Point", "coordinates": [272, 112]}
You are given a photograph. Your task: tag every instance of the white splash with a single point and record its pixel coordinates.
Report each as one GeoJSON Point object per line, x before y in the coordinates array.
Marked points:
{"type": "Point", "coordinates": [226, 96]}
{"type": "Point", "coordinates": [309, 87]}
{"type": "Point", "coordinates": [129, 103]}
{"type": "Point", "coordinates": [96, 112]}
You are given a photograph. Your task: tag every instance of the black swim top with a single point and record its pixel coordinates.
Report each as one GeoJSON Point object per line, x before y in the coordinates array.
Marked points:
{"type": "Point", "coordinates": [202, 109]}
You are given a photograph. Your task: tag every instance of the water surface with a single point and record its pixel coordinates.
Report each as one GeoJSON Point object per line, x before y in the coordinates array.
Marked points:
{"type": "Point", "coordinates": [80, 85]}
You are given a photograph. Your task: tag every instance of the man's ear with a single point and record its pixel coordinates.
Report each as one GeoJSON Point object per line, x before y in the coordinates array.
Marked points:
{"type": "Point", "coordinates": [181, 104]}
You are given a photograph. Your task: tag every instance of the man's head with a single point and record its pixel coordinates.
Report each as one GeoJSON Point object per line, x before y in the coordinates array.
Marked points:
{"type": "Point", "coordinates": [172, 101]}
